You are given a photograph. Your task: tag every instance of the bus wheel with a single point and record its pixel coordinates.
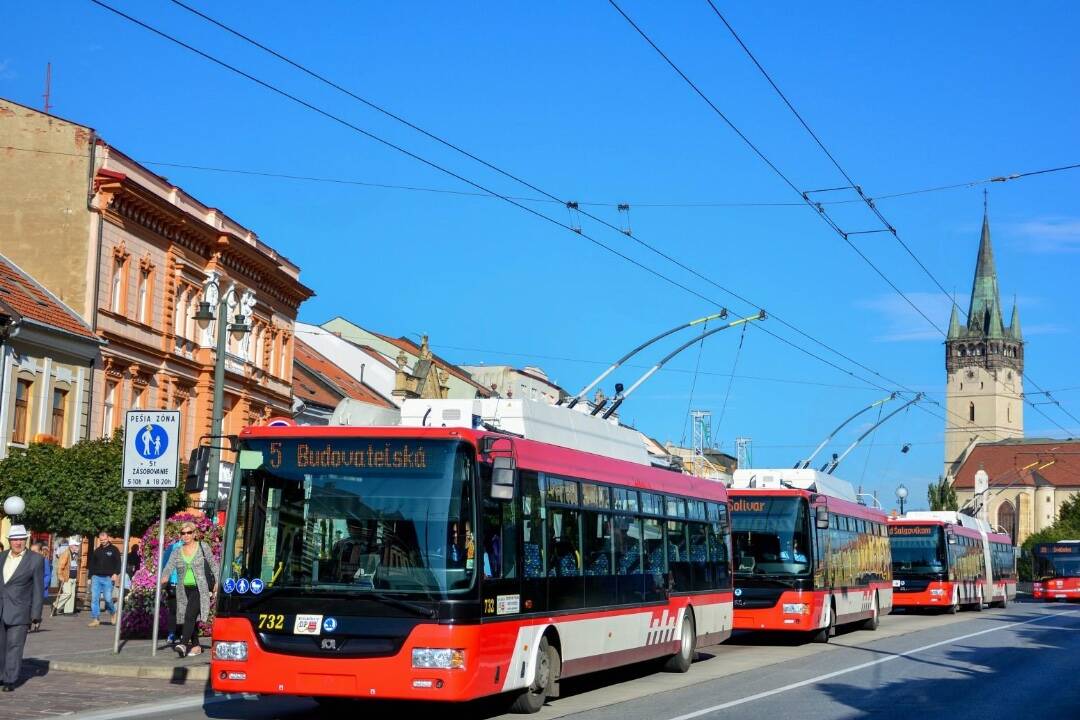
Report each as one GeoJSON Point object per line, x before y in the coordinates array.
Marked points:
{"type": "Point", "coordinates": [978, 606]}
{"type": "Point", "coordinates": [533, 697]}
{"type": "Point", "coordinates": [875, 619]}
{"type": "Point", "coordinates": [955, 607]}
{"type": "Point", "coordinates": [823, 635]}
{"type": "Point", "coordinates": [680, 662]}
{"type": "Point", "coordinates": [1004, 602]}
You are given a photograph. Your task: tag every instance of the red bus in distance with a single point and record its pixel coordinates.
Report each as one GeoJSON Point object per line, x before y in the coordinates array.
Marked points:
{"type": "Point", "coordinates": [948, 560]}
{"type": "Point", "coordinates": [438, 560]}
{"type": "Point", "coordinates": [808, 556]}
{"type": "Point", "coordinates": [1056, 571]}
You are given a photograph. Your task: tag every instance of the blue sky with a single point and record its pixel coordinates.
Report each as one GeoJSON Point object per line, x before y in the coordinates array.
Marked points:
{"type": "Point", "coordinates": [568, 96]}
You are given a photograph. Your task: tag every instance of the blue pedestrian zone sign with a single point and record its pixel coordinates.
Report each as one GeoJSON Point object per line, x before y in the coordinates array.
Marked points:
{"type": "Point", "coordinates": [151, 450]}
{"type": "Point", "coordinates": [151, 441]}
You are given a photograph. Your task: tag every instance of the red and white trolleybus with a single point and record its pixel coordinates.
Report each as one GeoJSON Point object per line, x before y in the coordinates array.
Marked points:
{"type": "Point", "coordinates": [949, 560]}
{"type": "Point", "coordinates": [808, 555]}
{"type": "Point", "coordinates": [480, 547]}
{"type": "Point", "coordinates": [1056, 570]}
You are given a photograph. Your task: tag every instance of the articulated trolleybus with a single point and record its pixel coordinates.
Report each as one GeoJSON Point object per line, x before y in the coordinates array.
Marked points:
{"type": "Point", "coordinates": [1057, 571]}
{"type": "Point", "coordinates": [808, 555]}
{"type": "Point", "coordinates": [948, 560]}
{"type": "Point", "coordinates": [478, 547]}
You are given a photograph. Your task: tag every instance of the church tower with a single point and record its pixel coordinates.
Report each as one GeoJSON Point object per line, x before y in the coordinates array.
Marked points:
{"type": "Point", "coordinates": [984, 365]}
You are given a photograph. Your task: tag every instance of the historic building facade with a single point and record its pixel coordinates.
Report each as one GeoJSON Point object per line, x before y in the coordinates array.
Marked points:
{"type": "Point", "coordinates": [136, 255]}
{"type": "Point", "coordinates": [984, 367]}
{"type": "Point", "coordinates": [47, 355]}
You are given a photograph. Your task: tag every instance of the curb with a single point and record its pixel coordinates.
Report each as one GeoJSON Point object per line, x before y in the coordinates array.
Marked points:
{"type": "Point", "coordinates": [175, 675]}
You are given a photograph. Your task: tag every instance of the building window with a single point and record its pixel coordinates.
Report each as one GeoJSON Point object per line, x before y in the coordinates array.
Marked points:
{"type": "Point", "coordinates": [971, 412]}
{"type": "Point", "coordinates": [1006, 519]}
{"type": "Point", "coordinates": [108, 423]}
{"type": "Point", "coordinates": [1008, 413]}
{"type": "Point", "coordinates": [22, 411]}
{"type": "Point", "coordinates": [118, 285]}
{"type": "Point", "coordinates": [180, 321]}
{"type": "Point", "coordinates": [137, 396]}
{"type": "Point", "coordinates": [144, 297]}
{"type": "Point", "coordinates": [59, 406]}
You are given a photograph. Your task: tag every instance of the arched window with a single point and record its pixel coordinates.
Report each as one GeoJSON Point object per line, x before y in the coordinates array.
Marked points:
{"type": "Point", "coordinates": [971, 412]}
{"type": "Point", "coordinates": [1006, 518]}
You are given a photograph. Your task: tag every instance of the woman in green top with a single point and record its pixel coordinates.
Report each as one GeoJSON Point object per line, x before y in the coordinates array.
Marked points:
{"type": "Point", "coordinates": [198, 577]}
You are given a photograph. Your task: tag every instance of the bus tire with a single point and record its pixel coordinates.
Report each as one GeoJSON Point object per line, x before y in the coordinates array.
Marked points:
{"type": "Point", "coordinates": [532, 698]}
{"type": "Point", "coordinates": [978, 606]}
{"type": "Point", "coordinates": [681, 661]}
{"type": "Point", "coordinates": [824, 634]}
{"type": "Point", "coordinates": [1004, 602]}
{"type": "Point", "coordinates": [955, 607]}
{"type": "Point", "coordinates": [875, 620]}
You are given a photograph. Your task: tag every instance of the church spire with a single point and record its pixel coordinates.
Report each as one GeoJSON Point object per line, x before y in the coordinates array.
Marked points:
{"type": "Point", "coordinates": [954, 323]}
{"type": "Point", "coordinates": [1014, 324]}
{"type": "Point", "coordinates": [984, 314]}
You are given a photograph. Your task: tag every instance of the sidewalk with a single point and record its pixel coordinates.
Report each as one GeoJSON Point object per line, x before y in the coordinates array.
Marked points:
{"type": "Point", "coordinates": [66, 644]}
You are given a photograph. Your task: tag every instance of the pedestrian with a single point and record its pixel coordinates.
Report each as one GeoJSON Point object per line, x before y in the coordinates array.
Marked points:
{"type": "Point", "coordinates": [133, 559]}
{"type": "Point", "coordinates": [104, 571]}
{"type": "Point", "coordinates": [21, 578]}
{"type": "Point", "coordinates": [67, 575]}
{"type": "Point", "coordinates": [173, 621]}
{"type": "Point", "coordinates": [45, 552]}
{"type": "Point", "coordinates": [198, 576]}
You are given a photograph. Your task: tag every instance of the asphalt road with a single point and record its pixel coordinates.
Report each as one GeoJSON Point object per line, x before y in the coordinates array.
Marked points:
{"type": "Point", "coordinates": [997, 663]}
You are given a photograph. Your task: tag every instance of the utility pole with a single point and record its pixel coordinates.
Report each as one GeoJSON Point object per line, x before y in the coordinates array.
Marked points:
{"type": "Point", "coordinates": [48, 87]}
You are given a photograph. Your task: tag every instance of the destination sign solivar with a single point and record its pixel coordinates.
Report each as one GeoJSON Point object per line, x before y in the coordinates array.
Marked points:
{"type": "Point", "coordinates": [151, 450]}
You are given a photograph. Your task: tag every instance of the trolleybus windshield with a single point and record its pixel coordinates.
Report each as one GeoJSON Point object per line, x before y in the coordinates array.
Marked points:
{"type": "Point", "coordinates": [771, 535]}
{"type": "Point", "coordinates": [917, 549]}
{"type": "Point", "coordinates": [358, 515]}
{"type": "Point", "coordinates": [1057, 561]}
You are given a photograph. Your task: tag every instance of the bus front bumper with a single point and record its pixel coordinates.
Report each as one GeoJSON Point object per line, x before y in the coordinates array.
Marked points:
{"type": "Point", "coordinates": [392, 677]}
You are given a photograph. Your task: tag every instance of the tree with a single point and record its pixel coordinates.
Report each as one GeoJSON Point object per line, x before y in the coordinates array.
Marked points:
{"type": "Point", "coordinates": [942, 495]}
{"type": "Point", "coordinates": [76, 490]}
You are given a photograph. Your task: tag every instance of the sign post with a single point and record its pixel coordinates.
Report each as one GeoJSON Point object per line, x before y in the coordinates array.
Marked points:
{"type": "Point", "coordinates": [151, 462]}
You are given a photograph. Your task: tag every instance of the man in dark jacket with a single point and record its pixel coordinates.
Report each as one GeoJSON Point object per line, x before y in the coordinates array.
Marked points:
{"type": "Point", "coordinates": [22, 582]}
{"type": "Point", "coordinates": [104, 571]}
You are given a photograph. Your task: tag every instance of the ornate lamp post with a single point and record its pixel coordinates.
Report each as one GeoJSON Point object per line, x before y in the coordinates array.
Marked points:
{"type": "Point", "coordinates": [901, 495]}
{"type": "Point", "coordinates": [238, 328]}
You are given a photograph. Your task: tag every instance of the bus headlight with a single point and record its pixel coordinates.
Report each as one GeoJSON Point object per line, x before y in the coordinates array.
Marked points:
{"type": "Point", "coordinates": [796, 609]}
{"type": "Point", "coordinates": [438, 658]}
{"type": "Point", "coordinates": [937, 591]}
{"type": "Point", "coordinates": [1037, 586]}
{"type": "Point", "coordinates": [230, 651]}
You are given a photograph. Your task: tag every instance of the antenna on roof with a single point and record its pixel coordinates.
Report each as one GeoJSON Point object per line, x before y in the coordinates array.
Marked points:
{"type": "Point", "coordinates": [585, 390]}
{"type": "Point", "coordinates": [48, 87]}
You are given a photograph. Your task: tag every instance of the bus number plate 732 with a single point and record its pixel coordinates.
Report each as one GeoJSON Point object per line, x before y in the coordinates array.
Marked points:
{"type": "Point", "coordinates": [270, 621]}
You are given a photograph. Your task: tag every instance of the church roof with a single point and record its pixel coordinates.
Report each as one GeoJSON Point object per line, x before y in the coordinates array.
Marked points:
{"type": "Point", "coordinates": [1014, 324]}
{"type": "Point", "coordinates": [1037, 462]}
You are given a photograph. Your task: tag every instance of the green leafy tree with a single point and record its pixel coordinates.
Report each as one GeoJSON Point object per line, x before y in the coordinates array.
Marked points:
{"type": "Point", "coordinates": [77, 489]}
{"type": "Point", "coordinates": [942, 495]}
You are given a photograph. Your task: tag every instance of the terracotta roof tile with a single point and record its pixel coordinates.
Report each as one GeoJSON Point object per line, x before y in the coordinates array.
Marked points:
{"type": "Point", "coordinates": [30, 299]}
{"type": "Point", "coordinates": [1023, 463]}
{"type": "Point", "coordinates": [325, 371]}
{"type": "Point", "coordinates": [307, 387]}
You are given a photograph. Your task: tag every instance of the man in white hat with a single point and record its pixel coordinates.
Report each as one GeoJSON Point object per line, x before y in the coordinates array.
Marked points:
{"type": "Point", "coordinates": [22, 579]}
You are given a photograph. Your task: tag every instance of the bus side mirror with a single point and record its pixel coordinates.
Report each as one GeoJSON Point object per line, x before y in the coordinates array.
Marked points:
{"type": "Point", "coordinates": [821, 517]}
{"type": "Point", "coordinates": [502, 478]}
{"type": "Point", "coordinates": [198, 465]}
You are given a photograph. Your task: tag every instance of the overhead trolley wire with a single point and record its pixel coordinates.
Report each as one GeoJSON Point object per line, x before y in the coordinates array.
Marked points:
{"type": "Point", "coordinates": [509, 200]}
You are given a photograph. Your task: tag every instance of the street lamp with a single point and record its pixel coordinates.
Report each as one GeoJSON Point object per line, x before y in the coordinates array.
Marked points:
{"type": "Point", "coordinates": [204, 316]}
{"type": "Point", "coordinates": [14, 506]}
{"type": "Point", "coordinates": [901, 495]}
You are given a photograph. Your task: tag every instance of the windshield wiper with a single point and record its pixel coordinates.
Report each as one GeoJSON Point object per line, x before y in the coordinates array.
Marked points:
{"type": "Point", "coordinates": [403, 604]}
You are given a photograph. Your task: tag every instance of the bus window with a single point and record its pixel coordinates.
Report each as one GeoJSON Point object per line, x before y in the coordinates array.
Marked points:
{"type": "Point", "coordinates": [678, 553]}
{"type": "Point", "coordinates": [650, 504]}
{"type": "Point", "coordinates": [498, 540]}
{"type": "Point", "coordinates": [630, 583]}
{"type": "Point", "coordinates": [566, 589]}
{"type": "Point", "coordinates": [719, 551]}
{"type": "Point", "coordinates": [625, 500]}
{"type": "Point", "coordinates": [655, 560]}
{"type": "Point", "coordinates": [598, 558]}
{"type": "Point", "coordinates": [700, 577]}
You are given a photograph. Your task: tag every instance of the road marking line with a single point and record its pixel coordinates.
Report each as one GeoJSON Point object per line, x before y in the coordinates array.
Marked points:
{"type": "Point", "coordinates": [145, 709]}
{"type": "Point", "coordinates": [855, 668]}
